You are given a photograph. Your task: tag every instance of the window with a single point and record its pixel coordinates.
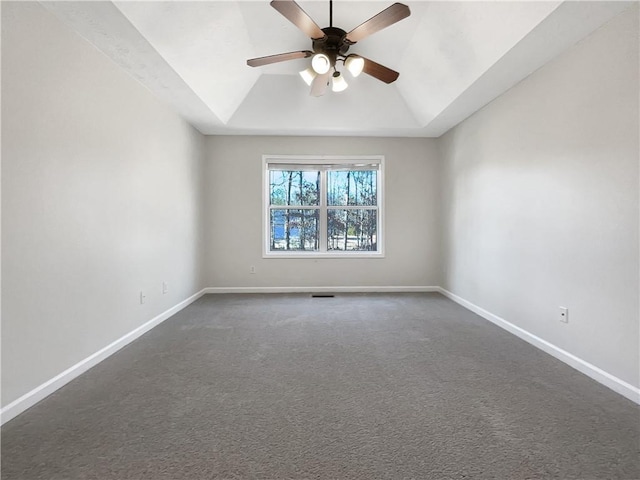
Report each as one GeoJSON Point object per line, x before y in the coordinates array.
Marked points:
{"type": "Point", "coordinates": [323, 206]}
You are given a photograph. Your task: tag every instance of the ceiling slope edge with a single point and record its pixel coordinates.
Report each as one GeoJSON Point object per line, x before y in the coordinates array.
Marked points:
{"type": "Point", "coordinates": [566, 26]}
{"type": "Point", "coordinates": [204, 43]}
{"type": "Point", "coordinates": [104, 26]}
{"type": "Point", "coordinates": [333, 114]}
{"type": "Point", "coordinates": [459, 34]}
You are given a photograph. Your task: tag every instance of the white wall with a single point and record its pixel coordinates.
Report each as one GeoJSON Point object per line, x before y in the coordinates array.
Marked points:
{"type": "Point", "coordinates": [234, 223]}
{"type": "Point", "coordinates": [540, 201]}
{"type": "Point", "coordinates": [101, 198]}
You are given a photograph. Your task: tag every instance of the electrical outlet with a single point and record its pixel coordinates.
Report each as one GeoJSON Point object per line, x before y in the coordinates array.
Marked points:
{"type": "Point", "coordinates": [143, 298]}
{"type": "Point", "coordinates": [252, 269]}
{"type": "Point", "coordinates": [165, 287]}
{"type": "Point", "coordinates": [564, 314]}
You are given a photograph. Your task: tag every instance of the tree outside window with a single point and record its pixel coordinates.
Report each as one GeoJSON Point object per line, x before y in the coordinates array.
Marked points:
{"type": "Point", "coordinates": [327, 206]}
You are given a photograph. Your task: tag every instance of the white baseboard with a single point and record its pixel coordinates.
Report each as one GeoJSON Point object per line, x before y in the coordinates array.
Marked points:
{"type": "Point", "coordinates": [380, 289]}
{"type": "Point", "coordinates": [39, 393]}
{"type": "Point", "coordinates": [614, 383]}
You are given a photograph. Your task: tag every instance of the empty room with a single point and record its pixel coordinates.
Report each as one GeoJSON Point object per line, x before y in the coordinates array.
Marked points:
{"type": "Point", "coordinates": [320, 239]}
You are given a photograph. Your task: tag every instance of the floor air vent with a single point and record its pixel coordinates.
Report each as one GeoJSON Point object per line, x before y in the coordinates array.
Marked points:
{"type": "Point", "coordinates": [322, 295]}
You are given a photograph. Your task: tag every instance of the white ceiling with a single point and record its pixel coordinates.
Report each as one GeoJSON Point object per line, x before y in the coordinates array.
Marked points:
{"type": "Point", "coordinates": [453, 58]}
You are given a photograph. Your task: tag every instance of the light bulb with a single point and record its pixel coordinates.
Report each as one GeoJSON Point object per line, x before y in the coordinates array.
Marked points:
{"type": "Point", "coordinates": [308, 75]}
{"type": "Point", "coordinates": [320, 63]}
{"type": "Point", "coordinates": [354, 64]}
{"type": "Point", "coordinates": [338, 83]}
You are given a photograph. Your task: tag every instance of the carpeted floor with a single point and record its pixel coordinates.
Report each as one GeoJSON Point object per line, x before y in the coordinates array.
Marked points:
{"type": "Point", "coordinates": [354, 387]}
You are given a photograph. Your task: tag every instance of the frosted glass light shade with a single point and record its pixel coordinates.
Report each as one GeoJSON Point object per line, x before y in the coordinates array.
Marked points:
{"type": "Point", "coordinates": [354, 64]}
{"type": "Point", "coordinates": [320, 63]}
{"type": "Point", "coordinates": [338, 83]}
{"type": "Point", "coordinates": [308, 75]}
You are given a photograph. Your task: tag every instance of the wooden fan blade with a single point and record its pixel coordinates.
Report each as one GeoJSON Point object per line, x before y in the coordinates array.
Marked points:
{"type": "Point", "coordinates": [281, 57]}
{"type": "Point", "coordinates": [388, 16]}
{"type": "Point", "coordinates": [296, 15]}
{"type": "Point", "coordinates": [320, 83]}
{"type": "Point", "coordinates": [380, 72]}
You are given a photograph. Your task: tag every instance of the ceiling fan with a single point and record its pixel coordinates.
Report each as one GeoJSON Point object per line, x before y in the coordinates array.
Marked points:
{"type": "Point", "coordinates": [330, 46]}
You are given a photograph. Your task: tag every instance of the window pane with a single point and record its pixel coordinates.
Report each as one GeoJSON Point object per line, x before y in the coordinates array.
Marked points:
{"type": "Point", "coordinates": [355, 187]}
{"type": "Point", "coordinates": [351, 230]}
{"type": "Point", "coordinates": [293, 229]}
{"type": "Point", "coordinates": [293, 187]}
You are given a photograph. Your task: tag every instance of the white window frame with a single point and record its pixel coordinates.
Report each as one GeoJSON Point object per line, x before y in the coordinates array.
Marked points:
{"type": "Point", "coordinates": [343, 160]}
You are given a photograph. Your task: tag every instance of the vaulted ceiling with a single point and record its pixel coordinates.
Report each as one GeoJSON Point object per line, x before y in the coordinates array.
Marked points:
{"type": "Point", "coordinates": [453, 58]}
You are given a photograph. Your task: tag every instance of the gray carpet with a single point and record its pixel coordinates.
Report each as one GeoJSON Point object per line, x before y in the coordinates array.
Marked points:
{"type": "Point", "coordinates": [355, 387]}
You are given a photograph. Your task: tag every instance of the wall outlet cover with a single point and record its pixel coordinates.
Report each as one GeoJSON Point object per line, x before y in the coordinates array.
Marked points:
{"type": "Point", "coordinates": [564, 314]}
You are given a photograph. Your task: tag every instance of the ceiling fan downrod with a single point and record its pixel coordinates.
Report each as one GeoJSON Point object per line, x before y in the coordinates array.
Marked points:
{"type": "Point", "coordinates": [331, 13]}
{"type": "Point", "coordinates": [330, 44]}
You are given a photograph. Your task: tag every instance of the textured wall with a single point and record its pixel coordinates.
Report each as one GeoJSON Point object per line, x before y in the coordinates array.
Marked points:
{"type": "Point", "coordinates": [541, 201]}
{"type": "Point", "coordinates": [101, 198]}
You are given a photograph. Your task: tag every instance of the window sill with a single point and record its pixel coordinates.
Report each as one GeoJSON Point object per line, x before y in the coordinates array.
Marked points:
{"type": "Point", "coordinates": [314, 255]}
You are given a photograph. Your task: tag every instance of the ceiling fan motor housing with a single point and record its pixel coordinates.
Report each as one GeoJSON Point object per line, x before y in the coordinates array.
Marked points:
{"type": "Point", "coordinates": [330, 44]}
{"type": "Point", "coordinates": [333, 44]}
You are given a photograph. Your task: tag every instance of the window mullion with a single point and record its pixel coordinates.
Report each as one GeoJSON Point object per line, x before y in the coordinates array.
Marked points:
{"type": "Point", "coordinates": [293, 207]}
{"type": "Point", "coordinates": [324, 224]}
{"type": "Point", "coordinates": [353, 207]}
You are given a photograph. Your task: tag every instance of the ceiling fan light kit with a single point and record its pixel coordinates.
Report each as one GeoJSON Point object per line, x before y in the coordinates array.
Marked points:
{"type": "Point", "coordinates": [354, 64]}
{"type": "Point", "coordinates": [330, 46]}
{"type": "Point", "coordinates": [320, 63]}
{"type": "Point", "coordinates": [308, 75]}
{"type": "Point", "coordinates": [338, 83]}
